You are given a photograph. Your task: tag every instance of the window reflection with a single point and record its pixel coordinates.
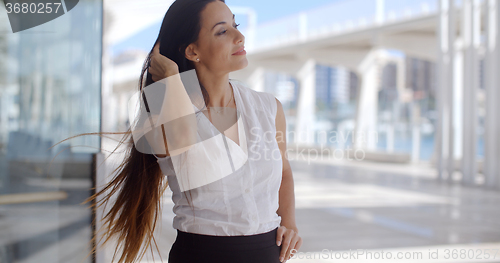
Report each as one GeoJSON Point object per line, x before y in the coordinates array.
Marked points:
{"type": "Point", "coordinates": [49, 91]}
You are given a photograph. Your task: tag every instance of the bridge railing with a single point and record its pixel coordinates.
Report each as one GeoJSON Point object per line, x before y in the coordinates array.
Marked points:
{"type": "Point", "coordinates": [337, 18]}
{"type": "Point", "coordinates": [396, 10]}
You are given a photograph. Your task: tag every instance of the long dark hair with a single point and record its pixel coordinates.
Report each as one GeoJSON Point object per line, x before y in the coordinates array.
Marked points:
{"type": "Point", "coordinates": [140, 181]}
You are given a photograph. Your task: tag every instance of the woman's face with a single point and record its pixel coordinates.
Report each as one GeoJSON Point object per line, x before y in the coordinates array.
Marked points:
{"type": "Point", "coordinates": [218, 40]}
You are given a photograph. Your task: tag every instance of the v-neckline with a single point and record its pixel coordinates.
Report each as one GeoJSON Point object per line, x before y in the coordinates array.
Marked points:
{"type": "Point", "coordinates": [239, 127]}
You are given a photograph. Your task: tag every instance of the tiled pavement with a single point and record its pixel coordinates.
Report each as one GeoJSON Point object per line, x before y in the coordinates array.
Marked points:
{"type": "Point", "coordinates": [348, 206]}
{"type": "Point", "coordinates": [340, 207]}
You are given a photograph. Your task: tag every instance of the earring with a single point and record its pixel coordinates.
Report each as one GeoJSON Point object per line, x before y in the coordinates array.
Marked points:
{"type": "Point", "coordinates": [197, 59]}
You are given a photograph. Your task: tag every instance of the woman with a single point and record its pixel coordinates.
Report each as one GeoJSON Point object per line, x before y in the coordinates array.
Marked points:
{"type": "Point", "coordinates": [246, 216]}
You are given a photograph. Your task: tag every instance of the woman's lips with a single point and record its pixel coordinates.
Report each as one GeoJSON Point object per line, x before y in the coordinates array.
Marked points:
{"type": "Point", "coordinates": [241, 52]}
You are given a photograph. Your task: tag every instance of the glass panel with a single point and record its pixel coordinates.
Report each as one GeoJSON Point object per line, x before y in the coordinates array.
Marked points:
{"type": "Point", "coordinates": [49, 91]}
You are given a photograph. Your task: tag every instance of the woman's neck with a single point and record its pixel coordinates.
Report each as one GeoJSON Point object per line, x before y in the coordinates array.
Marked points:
{"type": "Point", "coordinates": [219, 90]}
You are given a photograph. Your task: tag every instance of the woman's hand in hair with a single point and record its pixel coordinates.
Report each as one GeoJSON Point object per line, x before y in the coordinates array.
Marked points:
{"type": "Point", "coordinates": [175, 127]}
{"type": "Point", "coordinates": [160, 66]}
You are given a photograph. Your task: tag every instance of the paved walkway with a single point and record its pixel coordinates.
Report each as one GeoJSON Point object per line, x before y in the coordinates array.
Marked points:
{"type": "Point", "coordinates": [348, 209]}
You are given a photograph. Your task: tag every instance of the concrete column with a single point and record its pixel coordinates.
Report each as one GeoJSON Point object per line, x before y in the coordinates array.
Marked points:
{"type": "Point", "coordinates": [470, 31]}
{"type": "Point", "coordinates": [451, 86]}
{"type": "Point", "coordinates": [365, 134]}
{"type": "Point", "coordinates": [458, 99]}
{"type": "Point", "coordinates": [441, 135]}
{"type": "Point", "coordinates": [497, 82]}
{"type": "Point", "coordinates": [304, 128]}
{"type": "Point", "coordinates": [492, 129]}
{"type": "Point", "coordinates": [492, 124]}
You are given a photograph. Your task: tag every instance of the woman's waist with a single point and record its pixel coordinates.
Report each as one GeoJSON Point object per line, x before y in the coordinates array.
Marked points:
{"type": "Point", "coordinates": [234, 217]}
{"type": "Point", "coordinates": [205, 239]}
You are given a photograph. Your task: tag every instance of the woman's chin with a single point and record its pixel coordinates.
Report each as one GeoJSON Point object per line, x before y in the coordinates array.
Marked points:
{"type": "Point", "coordinates": [243, 64]}
{"type": "Point", "coordinates": [240, 65]}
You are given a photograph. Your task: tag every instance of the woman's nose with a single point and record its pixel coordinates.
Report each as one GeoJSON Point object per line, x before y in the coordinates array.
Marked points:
{"type": "Point", "coordinates": [241, 38]}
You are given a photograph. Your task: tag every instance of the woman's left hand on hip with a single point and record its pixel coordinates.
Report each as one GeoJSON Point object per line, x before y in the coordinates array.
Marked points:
{"type": "Point", "coordinates": [290, 242]}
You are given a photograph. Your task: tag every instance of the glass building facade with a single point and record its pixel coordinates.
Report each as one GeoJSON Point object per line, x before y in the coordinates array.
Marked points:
{"type": "Point", "coordinates": [50, 90]}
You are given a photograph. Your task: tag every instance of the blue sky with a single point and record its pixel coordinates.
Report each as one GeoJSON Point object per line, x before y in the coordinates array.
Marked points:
{"type": "Point", "coordinates": [267, 10]}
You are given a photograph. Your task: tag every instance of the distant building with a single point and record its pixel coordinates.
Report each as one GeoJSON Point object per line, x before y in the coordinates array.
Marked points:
{"type": "Point", "coordinates": [420, 77]}
{"type": "Point", "coordinates": [332, 86]}
{"type": "Point", "coordinates": [388, 83]}
{"type": "Point", "coordinates": [353, 86]}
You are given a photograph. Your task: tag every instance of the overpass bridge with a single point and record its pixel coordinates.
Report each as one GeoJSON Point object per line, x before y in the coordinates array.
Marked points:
{"type": "Point", "coordinates": [454, 34]}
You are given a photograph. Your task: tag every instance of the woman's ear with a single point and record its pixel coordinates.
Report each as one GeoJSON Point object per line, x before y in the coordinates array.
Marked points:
{"type": "Point", "coordinates": [190, 52]}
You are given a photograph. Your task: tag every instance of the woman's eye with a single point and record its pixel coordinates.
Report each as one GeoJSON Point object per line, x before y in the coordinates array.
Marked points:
{"type": "Point", "coordinates": [223, 32]}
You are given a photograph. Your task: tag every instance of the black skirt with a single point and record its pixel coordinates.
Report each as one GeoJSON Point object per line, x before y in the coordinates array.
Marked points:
{"type": "Point", "coordinates": [196, 248]}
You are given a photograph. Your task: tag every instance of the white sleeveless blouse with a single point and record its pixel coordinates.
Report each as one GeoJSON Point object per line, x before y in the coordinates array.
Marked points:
{"type": "Point", "coordinates": [241, 198]}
